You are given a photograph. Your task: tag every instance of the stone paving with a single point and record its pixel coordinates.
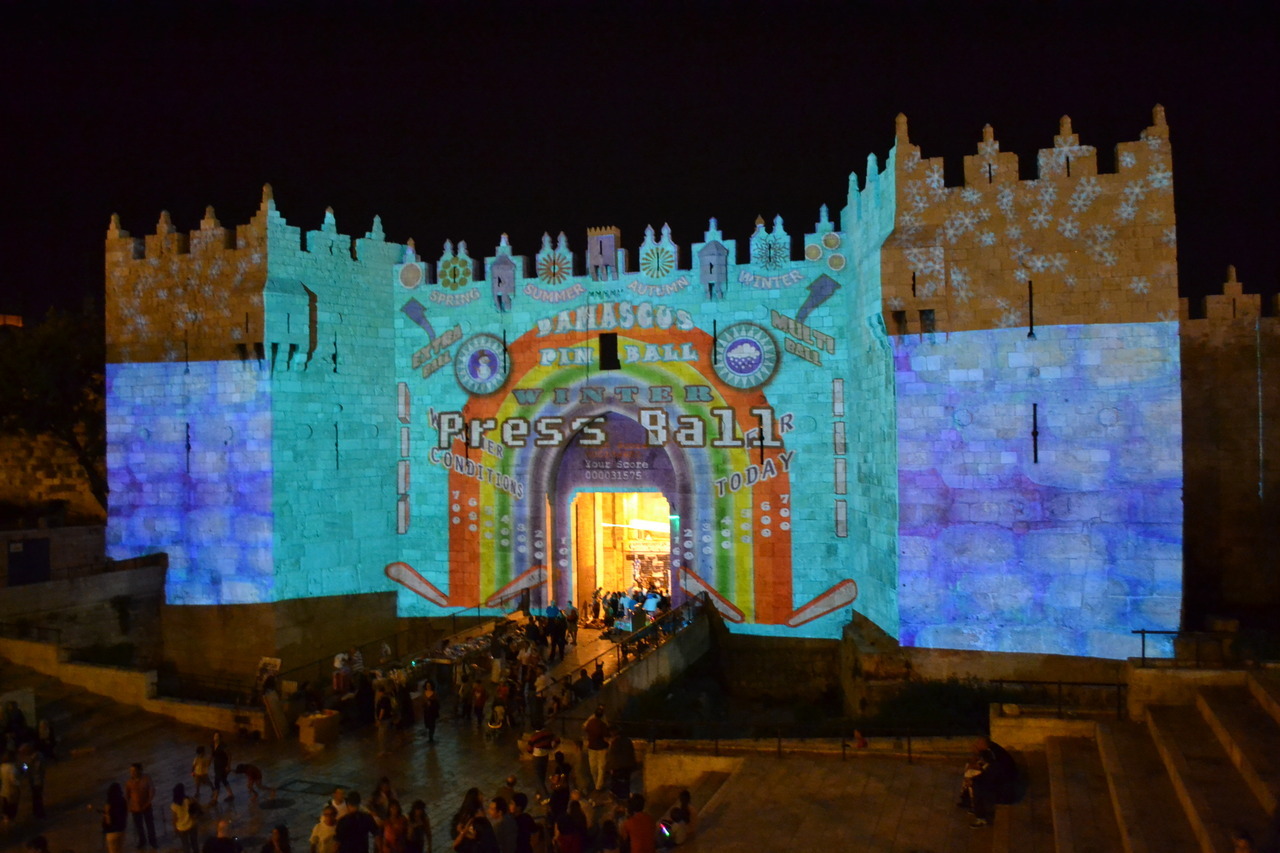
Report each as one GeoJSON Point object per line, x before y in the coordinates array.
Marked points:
{"type": "Point", "coordinates": [792, 803]}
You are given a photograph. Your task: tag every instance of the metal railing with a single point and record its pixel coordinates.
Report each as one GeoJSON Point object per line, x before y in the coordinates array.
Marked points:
{"type": "Point", "coordinates": [630, 649]}
{"type": "Point", "coordinates": [1055, 689]}
{"type": "Point", "coordinates": [792, 738]}
{"type": "Point", "coordinates": [1221, 638]}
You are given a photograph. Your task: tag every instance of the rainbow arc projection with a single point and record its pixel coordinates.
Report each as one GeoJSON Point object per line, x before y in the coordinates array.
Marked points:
{"type": "Point", "coordinates": [357, 423]}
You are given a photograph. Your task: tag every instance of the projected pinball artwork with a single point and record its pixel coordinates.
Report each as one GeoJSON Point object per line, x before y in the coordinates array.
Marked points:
{"type": "Point", "coordinates": [954, 410]}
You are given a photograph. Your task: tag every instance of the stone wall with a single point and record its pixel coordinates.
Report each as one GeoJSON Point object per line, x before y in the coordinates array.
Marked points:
{"type": "Point", "coordinates": [1099, 248]}
{"type": "Point", "coordinates": [786, 669]}
{"type": "Point", "coordinates": [1231, 434]}
{"type": "Point", "coordinates": [228, 641]}
{"type": "Point", "coordinates": [104, 609]}
{"type": "Point", "coordinates": [74, 552]}
{"type": "Point", "coordinates": [1040, 488]}
{"type": "Point", "coordinates": [37, 472]}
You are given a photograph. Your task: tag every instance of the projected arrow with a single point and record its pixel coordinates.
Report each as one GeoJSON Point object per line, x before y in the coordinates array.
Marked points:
{"type": "Point", "coordinates": [414, 311]}
{"type": "Point", "coordinates": [819, 292]}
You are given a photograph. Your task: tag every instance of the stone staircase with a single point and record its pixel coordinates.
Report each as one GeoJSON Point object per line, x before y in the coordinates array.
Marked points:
{"type": "Point", "coordinates": [1179, 783]}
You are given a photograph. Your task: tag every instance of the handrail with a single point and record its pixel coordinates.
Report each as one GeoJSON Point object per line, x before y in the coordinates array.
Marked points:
{"type": "Point", "coordinates": [1219, 636]}
{"type": "Point", "coordinates": [660, 627]}
{"type": "Point", "coordinates": [1118, 686]}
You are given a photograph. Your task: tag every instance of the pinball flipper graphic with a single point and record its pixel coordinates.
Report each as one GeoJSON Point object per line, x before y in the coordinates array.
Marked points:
{"type": "Point", "coordinates": [695, 585]}
{"type": "Point", "coordinates": [840, 595]}
{"type": "Point", "coordinates": [535, 576]}
{"type": "Point", "coordinates": [405, 575]}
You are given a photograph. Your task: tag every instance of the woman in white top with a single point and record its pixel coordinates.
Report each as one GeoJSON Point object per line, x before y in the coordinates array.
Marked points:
{"type": "Point", "coordinates": [184, 820]}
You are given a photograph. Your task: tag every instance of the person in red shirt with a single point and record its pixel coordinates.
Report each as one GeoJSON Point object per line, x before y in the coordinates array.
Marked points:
{"type": "Point", "coordinates": [640, 829]}
{"type": "Point", "coordinates": [139, 792]}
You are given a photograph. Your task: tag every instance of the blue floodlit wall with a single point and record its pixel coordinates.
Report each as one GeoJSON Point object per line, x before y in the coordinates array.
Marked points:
{"type": "Point", "coordinates": [333, 442]}
{"type": "Point", "coordinates": [189, 461]}
{"type": "Point", "coordinates": [296, 415]}
{"type": "Point", "coordinates": [864, 428]}
{"type": "Point", "coordinates": [1056, 543]}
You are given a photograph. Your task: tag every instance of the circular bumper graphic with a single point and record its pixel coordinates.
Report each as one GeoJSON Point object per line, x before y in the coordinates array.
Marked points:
{"type": "Point", "coordinates": [481, 364]}
{"type": "Point", "coordinates": [746, 355]}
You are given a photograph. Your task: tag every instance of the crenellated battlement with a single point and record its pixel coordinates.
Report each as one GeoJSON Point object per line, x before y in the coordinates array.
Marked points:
{"type": "Point", "coordinates": [1071, 245]}
{"type": "Point", "coordinates": [1230, 306]}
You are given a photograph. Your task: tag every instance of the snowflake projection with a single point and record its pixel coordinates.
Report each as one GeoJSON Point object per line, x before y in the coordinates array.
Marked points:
{"type": "Point", "coordinates": [960, 222]}
{"type": "Point", "coordinates": [1047, 191]}
{"type": "Point", "coordinates": [1020, 252]}
{"type": "Point", "coordinates": [455, 273]}
{"type": "Point", "coordinates": [1170, 236]}
{"type": "Point", "coordinates": [896, 303]}
{"type": "Point", "coordinates": [770, 251]}
{"type": "Point", "coordinates": [1058, 262]}
{"type": "Point", "coordinates": [961, 284]}
{"type": "Point", "coordinates": [988, 148]}
{"type": "Point", "coordinates": [657, 262]}
{"type": "Point", "coordinates": [1037, 263]}
{"type": "Point", "coordinates": [1166, 316]}
{"type": "Point", "coordinates": [1069, 227]}
{"type": "Point", "coordinates": [1009, 316]}
{"type": "Point", "coordinates": [1104, 304]}
{"type": "Point", "coordinates": [911, 162]}
{"type": "Point", "coordinates": [1108, 258]}
{"type": "Point", "coordinates": [925, 262]}
{"type": "Point", "coordinates": [987, 238]}
{"type": "Point", "coordinates": [971, 195]}
{"type": "Point", "coordinates": [1139, 285]}
{"type": "Point", "coordinates": [1155, 215]}
{"type": "Point", "coordinates": [1155, 143]}
{"type": "Point", "coordinates": [983, 214]}
{"type": "Point", "coordinates": [933, 177]}
{"type": "Point", "coordinates": [1128, 159]}
{"type": "Point", "coordinates": [909, 224]}
{"type": "Point", "coordinates": [553, 267]}
{"type": "Point", "coordinates": [1126, 211]}
{"type": "Point", "coordinates": [1135, 191]}
{"type": "Point", "coordinates": [1013, 232]}
{"type": "Point", "coordinates": [1004, 200]}
{"type": "Point", "coordinates": [1099, 235]}
{"type": "Point", "coordinates": [1040, 218]}
{"type": "Point", "coordinates": [919, 201]}
{"type": "Point", "coordinates": [1069, 280]}
{"type": "Point", "coordinates": [1086, 191]}
{"type": "Point", "coordinates": [1159, 177]}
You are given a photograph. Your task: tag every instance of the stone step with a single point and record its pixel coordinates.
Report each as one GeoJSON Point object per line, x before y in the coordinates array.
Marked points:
{"type": "Point", "coordinates": [1213, 795]}
{"type": "Point", "coordinates": [1265, 686]}
{"type": "Point", "coordinates": [1083, 820]}
{"type": "Point", "coordinates": [1028, 823]}
{"type": "Point", "coordinates": [1249, 735]}
{"type": "Point", "coordinates": [1149, 817]}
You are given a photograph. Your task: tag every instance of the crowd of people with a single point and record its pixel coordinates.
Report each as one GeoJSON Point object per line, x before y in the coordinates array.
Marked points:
{"type": "Point", "coordinates": [569, 809]}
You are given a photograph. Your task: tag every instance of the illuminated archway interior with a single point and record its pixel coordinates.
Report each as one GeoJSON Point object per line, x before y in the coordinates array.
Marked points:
{"type": "Point", "coordinates": [620, 539]}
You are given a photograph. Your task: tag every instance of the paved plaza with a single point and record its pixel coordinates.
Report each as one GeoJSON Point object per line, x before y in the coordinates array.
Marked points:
{"type": "Point", "coordinates": [793, 803]}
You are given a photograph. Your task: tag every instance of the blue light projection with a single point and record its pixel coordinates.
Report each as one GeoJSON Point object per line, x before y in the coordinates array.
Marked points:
{"type": "Point", "coordinates": [190, 473]}
{"type": "Point", "coordinates": [1040, 485]}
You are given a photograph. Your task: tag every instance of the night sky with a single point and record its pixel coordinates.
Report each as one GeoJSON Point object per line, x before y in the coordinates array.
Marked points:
{"type": "Point", "coordinates": [465, 120]}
